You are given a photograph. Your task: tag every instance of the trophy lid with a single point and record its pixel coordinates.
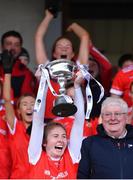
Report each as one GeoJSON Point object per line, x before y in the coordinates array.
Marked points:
{"type": "Point", "coordinates": [61, 68]}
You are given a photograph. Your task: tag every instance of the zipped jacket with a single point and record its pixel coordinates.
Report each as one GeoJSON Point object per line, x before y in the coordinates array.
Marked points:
{"type": "Point", "coordinates": [103, 157]}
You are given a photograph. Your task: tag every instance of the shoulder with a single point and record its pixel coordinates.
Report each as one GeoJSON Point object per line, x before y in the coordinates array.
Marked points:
{"type": "Point", "coordinates": [89, 140]}
{"type": "Point", "coordinates": [91, 144]}
{"type": "Point", "coordinates": [100, 136]}
{"type": "Point", "coordinates": [129, 131]}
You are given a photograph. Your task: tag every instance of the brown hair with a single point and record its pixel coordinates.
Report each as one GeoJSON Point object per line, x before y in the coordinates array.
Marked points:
{"type": "Point", "coordinates": [11, 33]}
{"type": "Point", "coordinates": [23, 96]}
{"type": "Point", "coordinates": [49, 127]}
{"type": "Point", "coordinates": [66, 36]}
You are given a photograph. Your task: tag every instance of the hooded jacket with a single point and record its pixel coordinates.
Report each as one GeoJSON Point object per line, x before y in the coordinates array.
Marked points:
{"type": "Point", "coordinates": [103, 157]}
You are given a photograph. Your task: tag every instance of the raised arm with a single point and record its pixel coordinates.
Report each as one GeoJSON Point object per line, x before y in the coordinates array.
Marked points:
{"type": "Point", "coordinates": [40, 50]}
{"type": "Point", "coordinates": [7, 62]}
{"type": "Point", "coordinates": [105, 66]}
{"type": "Point", "coordinates": [76, 134]}
{"type": "Point", "coordinates": [100, 58]}
{"type": "Point", "coordinates": [83, 36]}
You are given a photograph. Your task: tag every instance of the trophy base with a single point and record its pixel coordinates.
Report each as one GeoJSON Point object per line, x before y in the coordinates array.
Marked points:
{"type": "Point", "coordinates": [64, 109]}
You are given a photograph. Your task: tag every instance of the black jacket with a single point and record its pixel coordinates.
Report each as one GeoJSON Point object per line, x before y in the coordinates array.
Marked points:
{"type": "Point", "coordinates": [103, 157]}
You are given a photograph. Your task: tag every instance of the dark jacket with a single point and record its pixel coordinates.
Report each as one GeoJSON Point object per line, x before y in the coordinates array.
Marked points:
{"type": "Point", "coordinates": [103, 157]}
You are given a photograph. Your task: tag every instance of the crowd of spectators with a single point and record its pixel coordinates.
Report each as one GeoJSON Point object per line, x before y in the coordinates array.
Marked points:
{"type": "Point", "coordinates": [37, 143]}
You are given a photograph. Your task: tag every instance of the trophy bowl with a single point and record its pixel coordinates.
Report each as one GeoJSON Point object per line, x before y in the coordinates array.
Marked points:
{"type": "Point", "coordinates": [62, 70]}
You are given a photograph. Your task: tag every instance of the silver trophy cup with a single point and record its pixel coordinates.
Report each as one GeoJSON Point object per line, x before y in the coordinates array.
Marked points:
{"type": "Point", "coordinates": [62, 70]}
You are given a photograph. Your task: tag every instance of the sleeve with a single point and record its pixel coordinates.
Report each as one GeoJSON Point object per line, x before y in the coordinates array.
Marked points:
{"type": "Point", "coordinates": [13, 131]}
{"type": "Point", "coordinates": [35, 143]}
{"type": "Point", "coordinates": [106, 67]}
{"type": "Point", "coordinates": [74, 145]}
{"type": "Point", "coordinates": [100, 58]}
{"type": "Point", "coordinates": [84, 168]}
{"type": "Point", "coordinates": [117, 85]}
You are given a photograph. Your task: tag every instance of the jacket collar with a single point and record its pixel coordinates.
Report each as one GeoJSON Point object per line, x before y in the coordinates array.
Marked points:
{"type": "Point", "coordinates": [102, 132]}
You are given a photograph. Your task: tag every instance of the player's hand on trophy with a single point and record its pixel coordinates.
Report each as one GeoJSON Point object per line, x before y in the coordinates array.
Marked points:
{"type": "Point", "coordinates": [78, 79]}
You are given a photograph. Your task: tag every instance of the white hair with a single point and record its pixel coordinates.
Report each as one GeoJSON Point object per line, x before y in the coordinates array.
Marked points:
{"type": "Point", "coordinates": [115, 101]}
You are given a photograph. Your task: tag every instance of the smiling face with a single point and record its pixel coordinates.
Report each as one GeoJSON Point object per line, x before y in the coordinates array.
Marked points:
{"type": "Point", "coordinates": [25, 109]}
{"type": "Point", "coordinates": [63, 49]}
{"type": "Point", "coordinates": [56, 142]}
{"type": "Point", "coordinates": [114, 120]}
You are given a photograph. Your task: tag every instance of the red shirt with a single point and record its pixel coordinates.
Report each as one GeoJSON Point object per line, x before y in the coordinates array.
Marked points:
{"type": "Point", "coordinates": [5, 159]}
{"type": "Point", "coordinates": [23, 80]}
{"type": "Point", "coordinates": [121, 84]}
{"type": "Point", "coordinates": [50, 169]}
{"type": "Point", "coordinates": [89, 127]}
{"type": "Point", "coordinates": [18, 143]}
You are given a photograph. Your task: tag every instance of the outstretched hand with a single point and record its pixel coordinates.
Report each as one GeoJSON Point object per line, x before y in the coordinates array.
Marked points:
{"type": "Point", "coordinates": [7, 61]}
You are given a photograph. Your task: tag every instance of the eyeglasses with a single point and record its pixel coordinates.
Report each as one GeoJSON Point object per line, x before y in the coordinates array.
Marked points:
{"type": "Point", "coordinates": [116, 114]}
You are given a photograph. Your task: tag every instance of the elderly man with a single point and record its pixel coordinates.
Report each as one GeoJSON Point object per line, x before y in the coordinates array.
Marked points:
{"type": "Point", "coordinates": [109, 154]}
